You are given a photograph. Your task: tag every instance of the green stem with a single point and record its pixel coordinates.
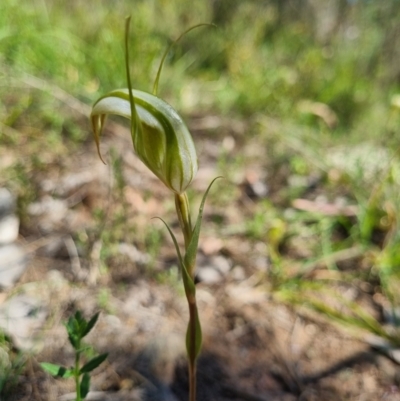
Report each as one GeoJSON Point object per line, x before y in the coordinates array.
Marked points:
{"type": "Point", "coordinates": [192, 350]}
{"type": "Point", "coordinates": [76, 372]}
{"type": "Point", "coordinates": [183, 212]}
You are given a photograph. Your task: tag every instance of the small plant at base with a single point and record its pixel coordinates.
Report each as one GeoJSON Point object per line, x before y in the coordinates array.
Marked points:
{"type": "Point", "coordinates": [11, 366]}
{"type": "Point", "coordinates": [164, 144]}
{"type": "Point", "coordinates": [77, 328]}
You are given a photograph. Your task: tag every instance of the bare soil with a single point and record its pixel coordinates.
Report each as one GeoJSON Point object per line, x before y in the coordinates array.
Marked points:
{"type": "Point", "coordinates": [92, 249]}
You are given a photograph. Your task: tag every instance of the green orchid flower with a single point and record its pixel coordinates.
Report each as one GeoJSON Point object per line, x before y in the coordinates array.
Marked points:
{"type": "Point", "coordinates": [159, 135]}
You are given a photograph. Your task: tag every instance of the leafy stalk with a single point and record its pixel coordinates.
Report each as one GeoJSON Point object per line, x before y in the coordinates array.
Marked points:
{"type": "Point", "coordinates": [77, 328]}
{"type": "Point", "coordinates": [193, 334]}
{"type": "Point", "coordinates": [76, 372]}
{"type": "Point", "coordinates": [164, 144]}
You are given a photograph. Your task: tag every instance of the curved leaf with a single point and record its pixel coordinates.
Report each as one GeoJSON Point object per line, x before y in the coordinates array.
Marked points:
{"type": "Point", "coordinates": [188, 283]}
{"type": "Point", "coordinates": [191, 252]}
{"type": "Point", "coordinates": [90, 324]}
{"type": "Point", "coordinates": [155, 86]}
{"type": "Point", "coordinates": [85, 385]}
{"type": "Point", "coordinates": [93, 363]}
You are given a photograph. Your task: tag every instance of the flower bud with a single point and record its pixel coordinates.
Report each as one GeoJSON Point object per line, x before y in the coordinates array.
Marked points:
{"type": "Point", "coordinates": [160, 137]}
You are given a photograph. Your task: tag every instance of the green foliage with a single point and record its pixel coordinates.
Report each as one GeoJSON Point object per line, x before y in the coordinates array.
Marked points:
{"type": "Point", "coordinates": [12, 364]}
{"type": "Point", "coordinates": [351, 314]}
{"type": "Point", "coordinates": [78, 328]}
{"type": "Point", "coordinates": [56, 370]}
{"type": "Point", "coordinates": [256, 46]}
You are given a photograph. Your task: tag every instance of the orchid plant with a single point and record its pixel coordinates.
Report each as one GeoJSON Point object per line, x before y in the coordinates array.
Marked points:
{"type": "Point", "coordinates": [164, 144]}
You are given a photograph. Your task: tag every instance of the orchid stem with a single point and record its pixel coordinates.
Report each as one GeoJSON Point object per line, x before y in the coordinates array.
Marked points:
{"type": "Point", "coordinates": [183, 212]}
{"type": "Point", "coordinates": [192, 350]}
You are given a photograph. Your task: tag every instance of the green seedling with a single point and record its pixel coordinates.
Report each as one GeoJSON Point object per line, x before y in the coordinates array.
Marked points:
{"type": "Point", "coordinates": [164, 144]}
{"type": "Point", "coordinates": [77, 328]}
{"type": "Point", "coordinates": [11, 366]}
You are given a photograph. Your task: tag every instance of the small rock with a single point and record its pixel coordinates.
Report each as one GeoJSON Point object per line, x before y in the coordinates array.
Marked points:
{"type": "Point", "coordinates": [9, 228]}
{"type": "Point", "coordinates": [21, 317]}
{"type": "Point", "coordinates": [238, 273]}
{"type": "Point", "coordinates": [9, 222]}
{"type": "Point", "coordinates": [261, 263]}
{"type": "Point", "coordinates": [52, 212]}
{"type": "Point", "coordinates": [212, 270]}
{"type": "Point", "coordinates": [56, 280]}
{"type": "Point", "coordinates": [56, 208]}
{"type": "Point", "coordinates": [255, 185]}
{"type": "Point", "coordinates": [209, 275]}
{"type": "Point", "coordinates": [205, 298]}
{"type": "Point", "coordinates": [68, 184]}
{"type": "Point", "coordinates": [133, 253]}
{"type": "Point", "coordinates": [113, 322]}
{"type": "Point", "coordinates": [7, 203]}
{"type": "Point", "coordinates": [13, 262]}
{"type": "Point", "coordinates": [221, 264]}
{"type": "Point", "coordinates": [246, 295]}
{"type": "Point", "coordinates": [211, 245]}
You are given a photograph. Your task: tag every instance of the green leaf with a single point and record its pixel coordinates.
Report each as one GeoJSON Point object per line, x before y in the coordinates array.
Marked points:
{"type": "Point", "coordinates": [73, 332]}
{"type": "Point", "coordinates": [78, 316]}
{"type": "Point", "coordinates": [73, 325]}
{"type": "Point", "coordinates": [85, 385]}
{"type": "Point", "coordinates": [80, 323]}
{"type": "Point", "coordinates": [73, 339]}
{"type": "Point", "coordinates": [70, 325]}
{"type": "Point", "coordinates": [198, 339]}
{"type": "Point", "coordinates": [74, 342]}
{"type": "Point", "coordinates": [135, 125]}
{"type": "Point", "coordinates": [90, 324]}
{"type": "Point", "coordinates": [188, 283]}
{"type": "Point", "coordinates": [93, 363]}
{"type": "Point", "coordinates": [56, 370]}
{"type": "Point", "coordinates": [191, 252]}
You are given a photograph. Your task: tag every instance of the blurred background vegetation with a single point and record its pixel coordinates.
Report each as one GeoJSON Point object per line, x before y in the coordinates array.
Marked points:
{"type": "Point", "coordinates": [316, 84]}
